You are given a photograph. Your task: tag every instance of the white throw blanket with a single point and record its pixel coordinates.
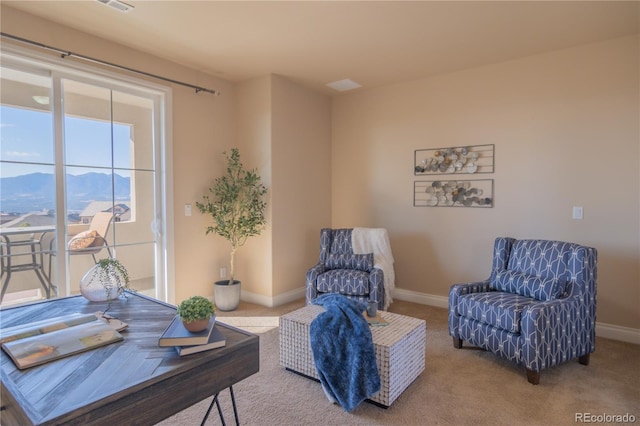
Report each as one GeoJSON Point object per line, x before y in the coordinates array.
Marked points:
{"type": "Point", "coordinates": [376, 241]}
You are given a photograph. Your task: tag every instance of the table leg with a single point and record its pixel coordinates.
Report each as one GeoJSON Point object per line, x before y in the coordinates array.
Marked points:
{"type": "Point", "coordinates": [233, 402]}
{"type": "Point", "coordinates": [206, 416]}
{"type": "Point", "coordinates": [220, 412]}
{"type": "Point", "coordinates": [216, 401]}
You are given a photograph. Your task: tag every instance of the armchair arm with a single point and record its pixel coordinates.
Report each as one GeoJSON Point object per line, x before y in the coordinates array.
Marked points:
{"type": "Point", "coordinates": [558, 330]}
{"type": "Point", "coordinates": [376, 286]}
{"type": "Point", "coordinates": [312, 276]}
{"type": "Point", "coordinates": [455, 292]}
{"type": "Point", "coordinates": [562, 329]}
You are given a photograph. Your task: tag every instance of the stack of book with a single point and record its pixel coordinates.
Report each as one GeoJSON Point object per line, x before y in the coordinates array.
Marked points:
{"type": "Point", "coordinates": [376, 321]}
{"type": "Point", "coordinates": [187, 342]}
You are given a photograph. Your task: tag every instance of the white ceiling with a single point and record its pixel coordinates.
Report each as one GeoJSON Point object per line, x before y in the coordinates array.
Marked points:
{"type": "Point", "coordinates": [316, 42]}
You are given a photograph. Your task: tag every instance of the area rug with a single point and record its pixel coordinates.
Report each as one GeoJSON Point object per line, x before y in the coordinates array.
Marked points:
{"type": "Point", "coordinates": [458, 387]}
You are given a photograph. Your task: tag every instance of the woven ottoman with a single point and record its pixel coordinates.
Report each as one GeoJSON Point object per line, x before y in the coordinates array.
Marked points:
{"type": "Point", "coordinates": [399, 346]}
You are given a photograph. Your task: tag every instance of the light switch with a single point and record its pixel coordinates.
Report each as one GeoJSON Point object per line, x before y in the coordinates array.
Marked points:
{"type": "Point", "coordinates": [577, 212]}
{"type": "Point", "coordinates": [187, 209]}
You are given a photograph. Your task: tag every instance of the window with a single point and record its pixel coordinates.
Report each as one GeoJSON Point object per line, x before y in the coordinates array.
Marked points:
{"type": "Point", "coordinates": [75, 144]}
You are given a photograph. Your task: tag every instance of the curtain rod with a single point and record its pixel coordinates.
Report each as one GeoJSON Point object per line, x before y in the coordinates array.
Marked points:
{"type": "Point", "coordinates": [65, 53]}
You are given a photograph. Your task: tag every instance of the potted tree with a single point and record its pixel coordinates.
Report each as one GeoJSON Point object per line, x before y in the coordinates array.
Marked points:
{"type": "Point", "coordinates": [195, 313]}
{"type": "Point", "coordinates": [236, 205]}
{"type": "Point", "coordinates": [106, 280]}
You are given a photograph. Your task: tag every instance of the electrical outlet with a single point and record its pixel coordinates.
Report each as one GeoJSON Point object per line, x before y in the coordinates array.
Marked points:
{"type": "Point", "coordinates": [578, 212]}
{"type": "Point", "coordinates": [223, 272]}
{"type": "Point", "coordinates": [187, 209]}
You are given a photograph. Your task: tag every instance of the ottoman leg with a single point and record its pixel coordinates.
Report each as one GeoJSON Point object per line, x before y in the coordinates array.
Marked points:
{"type": "Point", "coordinates": [457, 342]}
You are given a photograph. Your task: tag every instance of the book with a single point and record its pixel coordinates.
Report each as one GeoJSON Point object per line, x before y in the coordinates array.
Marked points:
{"type": "Point", "coordinates": [176, 335]}
{"type": "Point", "coordinates": [216, 340]}
{"type": "Point", "coordinates": [39, 342]}
{"type": "Point", "coordinates": [376, 321]}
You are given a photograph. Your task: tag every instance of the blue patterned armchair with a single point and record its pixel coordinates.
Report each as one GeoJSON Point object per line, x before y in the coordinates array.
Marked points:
{"type": "Point", "coordinates": [538, 307]}
{"type": "Point", "coordinates": [341, 271]}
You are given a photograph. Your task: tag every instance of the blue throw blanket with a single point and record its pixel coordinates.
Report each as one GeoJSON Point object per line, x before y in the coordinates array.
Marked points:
{"type": "Point", "coordinates": [343, 351]}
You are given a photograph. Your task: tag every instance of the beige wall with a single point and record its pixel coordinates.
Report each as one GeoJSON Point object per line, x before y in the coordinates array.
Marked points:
{"type": "Point", "coordinates": [565, 129]}
{"type": "Point", "coordinates": [254, 261]}
{"type": "Point", "coordinates": [203, 127]}
{"type": "Point", "coordinates": [286, 131]}
{"type": "Point", "coordinates": [301, 167]}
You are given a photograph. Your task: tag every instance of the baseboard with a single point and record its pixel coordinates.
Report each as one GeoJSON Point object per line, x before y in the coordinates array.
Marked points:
{"type": "Point", "coordinates": [290, 296]}
{"type": "Point", "coordinates": [616, 332]}
{"type": "Point", "coordinates": [422, 298]}
{"type": "Point", "coordinates": [608, 331]}
{"type": "Point", "coordinates": [271, 302]}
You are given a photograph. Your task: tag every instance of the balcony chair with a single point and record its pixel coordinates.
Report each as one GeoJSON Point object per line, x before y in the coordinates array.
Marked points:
{"type": "Point", "coordinates": [537, 308]}
{"type": "Point", "coordinates": [365, 274]}
{"type": "Point", "coordinates": [89, 242]}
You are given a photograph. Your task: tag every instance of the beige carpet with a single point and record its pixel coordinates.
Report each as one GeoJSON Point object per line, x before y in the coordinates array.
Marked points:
{"type": "Point", "coordinates": [458, 387]}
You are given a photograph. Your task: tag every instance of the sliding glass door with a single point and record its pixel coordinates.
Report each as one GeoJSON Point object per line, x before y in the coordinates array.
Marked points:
{"type": "Point", "coordinates": [27, 182]}
{"type": "Point", "coordinates": [80, 146]}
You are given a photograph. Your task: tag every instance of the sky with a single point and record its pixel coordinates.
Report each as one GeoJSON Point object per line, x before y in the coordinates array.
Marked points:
{"type": "Point", "coordinates": [27, 136]}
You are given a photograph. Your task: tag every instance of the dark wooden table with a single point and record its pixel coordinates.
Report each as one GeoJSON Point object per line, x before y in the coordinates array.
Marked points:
{"type": "Point", "coordinates": [130, 382]}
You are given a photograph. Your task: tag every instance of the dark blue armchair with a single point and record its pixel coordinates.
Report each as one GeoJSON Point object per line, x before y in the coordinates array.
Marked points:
{"type": "Point", "coordinates": [341, 271]}
{"type": "Point", "coordinates": [537, 309]}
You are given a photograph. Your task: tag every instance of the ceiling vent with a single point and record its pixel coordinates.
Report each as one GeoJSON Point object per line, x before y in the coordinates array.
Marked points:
{"type": "Point", "coordinates": [344, 85]}
{"type": "Point", "coordinates": [118, 5]}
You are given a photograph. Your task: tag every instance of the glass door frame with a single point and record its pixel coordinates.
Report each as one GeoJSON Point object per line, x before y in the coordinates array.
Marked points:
{"type": "Point", "coordinates": [59, 69]}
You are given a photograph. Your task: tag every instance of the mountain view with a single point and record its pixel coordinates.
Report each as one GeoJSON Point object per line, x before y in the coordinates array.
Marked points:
{"type": "Point", "coordinates": [36, 191]}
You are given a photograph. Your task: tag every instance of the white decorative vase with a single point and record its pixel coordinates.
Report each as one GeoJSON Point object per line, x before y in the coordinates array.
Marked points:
{"type": "Point", "coordinates": [101, 285]}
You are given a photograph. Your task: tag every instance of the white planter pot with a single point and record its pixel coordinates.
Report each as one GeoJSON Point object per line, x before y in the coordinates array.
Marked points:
{"type": "Point", "coordinates": [226, 296]}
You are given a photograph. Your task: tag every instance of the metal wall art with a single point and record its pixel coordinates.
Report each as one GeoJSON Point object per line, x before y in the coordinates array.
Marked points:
{"type": "Point", "coordinates": [453, 193]}
{"type": "Point", "coordinates": [454, 160]}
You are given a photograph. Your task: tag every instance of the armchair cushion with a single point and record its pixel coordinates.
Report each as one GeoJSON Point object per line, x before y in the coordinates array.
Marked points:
{"type": "Point", "coordinates": [359, 262]}
{"type": "Point", "coordinates": [541, 258]}
{"type": "Point", "coordinates": [496, 308]}
{"type": "Point", "coordinates": [539, 288]}
{"type": "Point", "coordinates": [344, 281]}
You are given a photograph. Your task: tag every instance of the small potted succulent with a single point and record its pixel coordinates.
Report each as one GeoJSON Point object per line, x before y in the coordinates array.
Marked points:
{"type": "Point", "coordinates": [195, 313]}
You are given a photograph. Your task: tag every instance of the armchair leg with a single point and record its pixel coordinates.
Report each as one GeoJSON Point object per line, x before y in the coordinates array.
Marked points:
{"type": "Point", "coordinates": [457, 342]}
{"type": "Point", "coordinates": [533, 377]}
{"type": "Point", "coordinates": [584, 359]}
